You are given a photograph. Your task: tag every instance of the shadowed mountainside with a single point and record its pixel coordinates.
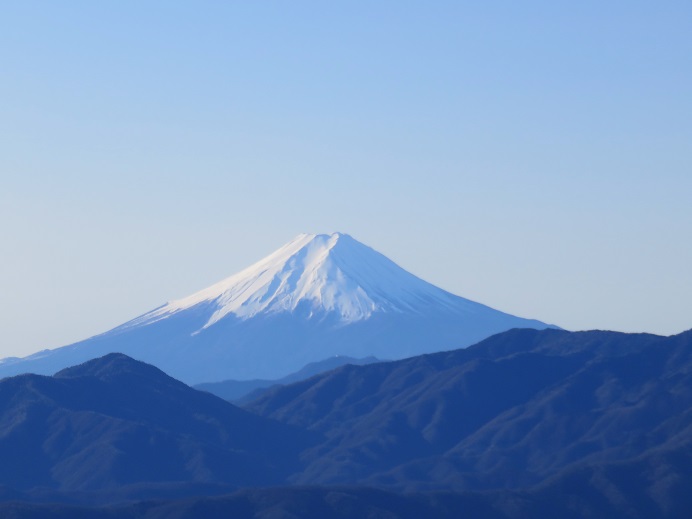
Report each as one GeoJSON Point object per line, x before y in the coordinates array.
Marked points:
{"type": "Point", "coordinates": [509, 412]}
{"type": "Point", "coordinates": [525, 424]}
{"type": "Point", "coordinates": [115, 421]}
{"type": "Point", "coordinates": [579, 496]}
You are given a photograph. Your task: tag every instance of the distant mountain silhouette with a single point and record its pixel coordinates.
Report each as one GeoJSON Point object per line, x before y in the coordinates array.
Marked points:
{"type": "Point", "coordinates": [115, 421]}
{"type": "Point", "coordinates": [232, 390]}
{"type": "Point", "coordinates": [524, 424]}
{"type": "Point", "coordinates": [509, 412]}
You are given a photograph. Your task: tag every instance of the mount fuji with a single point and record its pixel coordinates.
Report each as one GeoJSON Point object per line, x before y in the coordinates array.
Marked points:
{"type": "Point", "coordinates": [318, 296]}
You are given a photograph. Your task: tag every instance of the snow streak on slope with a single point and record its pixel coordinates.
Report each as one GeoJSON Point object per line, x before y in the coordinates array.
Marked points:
{"type": "Point", "coordinates": [323, 274]}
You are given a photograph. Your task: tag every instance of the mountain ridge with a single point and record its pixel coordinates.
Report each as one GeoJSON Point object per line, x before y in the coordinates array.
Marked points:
{"type": "Point", "coordinates": [115, 421]}
{"type": "Point", "coordinates": [526, 423]}
{"type": "Point", "coordinates": [238, 391]}
{"type": "Point", "coordinates": [317, 296]}
{"type": "Point", "coordinates": [510, 411]}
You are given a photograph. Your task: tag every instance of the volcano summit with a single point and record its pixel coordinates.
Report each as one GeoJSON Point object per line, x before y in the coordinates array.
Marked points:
{"type": "Point", "coordinates": [318, 296]}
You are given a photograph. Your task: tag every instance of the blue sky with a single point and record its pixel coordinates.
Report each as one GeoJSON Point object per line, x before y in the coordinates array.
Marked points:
{"type": "Point", "coordinates": [532, 156]}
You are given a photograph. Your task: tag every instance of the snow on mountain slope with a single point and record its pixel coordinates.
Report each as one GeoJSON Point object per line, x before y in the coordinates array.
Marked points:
{"type": "Point", "coordinates": [330, 273]}
{"type": "Point", "coordinates": [317, 296]}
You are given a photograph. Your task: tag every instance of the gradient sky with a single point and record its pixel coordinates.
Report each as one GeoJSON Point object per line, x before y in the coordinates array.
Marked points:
{"type": "Point", "coordinates": [532, 156]}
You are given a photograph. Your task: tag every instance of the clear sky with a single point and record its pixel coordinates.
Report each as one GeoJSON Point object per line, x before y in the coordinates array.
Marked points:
{"type": "Point", "coordinates": [533, 156]}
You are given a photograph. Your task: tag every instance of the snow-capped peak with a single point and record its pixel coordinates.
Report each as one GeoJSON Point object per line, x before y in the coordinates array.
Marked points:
{"type": "Point", "coordinates": [317, 296]}
{"type": "Point", "coordinates": [320, 273]}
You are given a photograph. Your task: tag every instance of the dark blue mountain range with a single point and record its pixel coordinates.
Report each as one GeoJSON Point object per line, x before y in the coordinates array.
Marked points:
{"type": "Point", "coordinates": [524, 424]}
